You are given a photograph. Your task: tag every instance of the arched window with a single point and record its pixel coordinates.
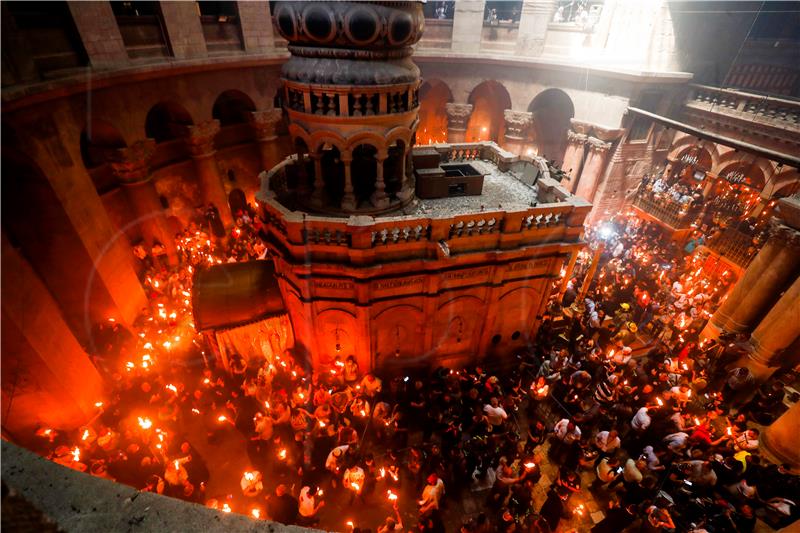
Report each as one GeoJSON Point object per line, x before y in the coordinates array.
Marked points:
{"type": "Point", "coordinates": [551, 111]}
{"type": "Point", "coordinates": [166, 121]}
{"type": "Point", "coordinates": [232, 107]}
{"type": "Point", "coordinates": [432, 128]}
{"type": "Point", "coordinates": [489, 100]}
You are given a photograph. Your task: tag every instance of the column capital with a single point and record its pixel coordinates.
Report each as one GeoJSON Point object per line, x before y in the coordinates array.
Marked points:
{"type": "Point", "coordinates": [132, 163]}
{"type": "Point", "coordinates": [576, 138]}
{"type": "Point", "coordinates": [517, 122]}
{"type": "Point", "coordinates": [201, 138]}
{"type": "Point", "coordinates": [265, 123]}
{"type": "Point", "coordinates": [784, 235]}
{"type": "Point", "coordinates": [596, 145]}
{"type": "Point", "coordinates": [457, 115]}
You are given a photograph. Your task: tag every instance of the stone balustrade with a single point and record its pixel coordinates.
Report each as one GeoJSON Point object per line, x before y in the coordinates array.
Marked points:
{"type": "Point", "coordinates": [777, 112]}
{"type": "Point", "coordinates": [738, 247]}
{"type": "Point", "coordinates": [351, 101]}
{"type": "Point", "coordinates": [671, 213]}
{"type": "Point", "coordinates": [354, 239]}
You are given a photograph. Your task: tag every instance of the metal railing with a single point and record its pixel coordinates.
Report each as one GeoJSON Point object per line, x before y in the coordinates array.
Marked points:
{"type": "Point", "coordinates": [674, 214]}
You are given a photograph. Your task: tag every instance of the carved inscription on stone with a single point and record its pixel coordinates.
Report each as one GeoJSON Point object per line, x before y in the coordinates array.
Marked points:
{"type": "Point", "coordinates": [334, 284]}
{"type": "Point", "coordinates": [464, 274]}
{"type": "Point", "coordinates": [527, 265]}
{"type": "Point", "coordinates": [395, 283]}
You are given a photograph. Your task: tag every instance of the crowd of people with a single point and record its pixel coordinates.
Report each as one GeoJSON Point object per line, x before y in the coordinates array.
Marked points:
{"type": "Point", "coordinates": [617, 401]}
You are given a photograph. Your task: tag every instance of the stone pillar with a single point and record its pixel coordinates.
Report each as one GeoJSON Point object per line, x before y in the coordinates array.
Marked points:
{"type": "Point", "coordinates": [769, 272]}
{"type": "Point", "coordinates": [467, 25]}
{"type": "Point", "coordinates": [349, 198]}
{"type": "Point", "coordinates": [379, 198]}
{"type": "Point", "coordinates": [407, 185]}
{"type": "Point", "coordinates": [201, 144]}
{"type": "Point", "coordinates": [517, 124]}
{"type": "Point", "coordinates": [535, 17]}
{"type": "Point", "coordinates": [776, 332]}
{"type": "Point", "coordinates": [48, 378]}
{"type": "Point", "coordinates": [573, 159]}
{"type": "Point", "coordinates": [132, 167]}
{"type": "Point", "coordinates": [457, 119]}
{"type": "Point", "coordinates": [318, 196]}
{"type": "Point", "coordinates": [780, 438]}
{"type": "Point", "coordinates": [256, 23]}
{"type": "Point", "coordinates": [573, 258]}
{"type": "Point", "coordinates": [264, 124]}
{"type": "Point", "coordinates": [184, 31]}
{"type": "Point", "coordinates": [593, 169]}
{"type": "Point", "coordinates": [99, 33]}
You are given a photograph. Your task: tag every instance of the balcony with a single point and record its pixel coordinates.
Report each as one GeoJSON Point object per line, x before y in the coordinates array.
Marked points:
{"type": "Point", "coordinates": [674, 215]}
{"type": "Point", "coordinates": [735, 246]}
{"type": "Point", "coordinates": [433, 228]}
{"type": "Point", "coordinates": [743, 113]}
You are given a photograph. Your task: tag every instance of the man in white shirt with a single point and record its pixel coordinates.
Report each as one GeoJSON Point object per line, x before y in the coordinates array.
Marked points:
{"type": "Point", "coordinates": [566, 431]}
{"type": "Point", "coordinates": [607, 441]}
{"type": "Point", "coordinates": [495, 413]}
{"type": "Point", "coordinates": [308, 507]}
{"type": "Point", "coordinates": [641, 420]}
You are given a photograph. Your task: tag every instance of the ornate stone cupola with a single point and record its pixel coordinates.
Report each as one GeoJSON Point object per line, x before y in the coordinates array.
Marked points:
{"type": "Point", "coordinates": [350, 92]}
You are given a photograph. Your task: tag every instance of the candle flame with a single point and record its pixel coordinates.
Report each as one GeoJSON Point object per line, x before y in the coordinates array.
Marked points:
{"type": "Point", "coordinates": [76, 454]}
{"type": "Point", "coordinates": [282, 454]}
{"type": "Point", "coordinates": [85, 434]}
{"type": "Point", "coordinates": [660, 402]}
{"type": "Point", "coordinates": [391, 496]}
{"type": "Point", "coordinates": [226, 508]}
{"type": "Point", "coordinates": [255, 513]}
{"type": "Point", "coordinates": [145, 422]}
{"type": "Point", "coordinates": [222, 418]}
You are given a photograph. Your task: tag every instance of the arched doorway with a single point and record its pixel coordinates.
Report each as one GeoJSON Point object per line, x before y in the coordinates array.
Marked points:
{"type": "Point", "coordinates": [167, 121]}
{"type": "Point", "coordinates": [433, 95]}
{"type": "Point", "coordinates": [232, 107]}
{"type": "Point", "coordinates": [99, 143]}
{"type": "Point", "coordinates": [332, 174]}
{"type": "Point", "coordinates": [489, 100]}
{"type": "Point", "coordinates": [237, 201]}
{"type": "Point", "coordinates": [363, 173]}
{"type": "Point", "coordinates": [393, 168]}
{"type": "Point", "coordinates": [551, 112]}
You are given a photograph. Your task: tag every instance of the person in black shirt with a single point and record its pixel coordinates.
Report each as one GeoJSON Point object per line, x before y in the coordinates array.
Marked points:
{"type": "Point", "coordinates": [282, 506]}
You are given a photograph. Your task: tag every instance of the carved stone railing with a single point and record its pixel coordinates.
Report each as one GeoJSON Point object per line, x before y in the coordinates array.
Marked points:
{"type": "Point", "coordinates": [674, 214]}
{"type": "Point", "coordinates": [355, 239]}
{"type": "Point", "coordinates": [776, 112]}
{"type": "Point", "coordinates": [347, 101]}
{"type": "Point", "coordinates": [738, 247]}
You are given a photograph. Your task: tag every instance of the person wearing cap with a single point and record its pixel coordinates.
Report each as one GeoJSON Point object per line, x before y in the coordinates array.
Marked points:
{"type": "Point", "coordinates": [431, 494]}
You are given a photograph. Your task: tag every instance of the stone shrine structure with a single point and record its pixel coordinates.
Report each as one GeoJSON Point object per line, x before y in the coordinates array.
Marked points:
{"type": "Point", "coordinates": [367, 268]}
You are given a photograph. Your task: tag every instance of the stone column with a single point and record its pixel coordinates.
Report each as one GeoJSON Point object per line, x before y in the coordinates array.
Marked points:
{"type": "Point", "coordinates": [517, 124]}
{"type": "Point", "coordinates": [201, 144]}
{"type": "Point", "coordinates": [535, 17]}
{"type": "Point", "coordinates": [573, 159]}
{"type": "Point", "coordinates": [184, 31]}
{"type": "Point", "coordinates": [132, 168]}
{"type": "Point", "coordinates": [780, 438]}
{"type": "Point", "coordinates": [256, 24]}
{"type": "Point", "coordinates": [349, 198]}
{"type": "Point", "coordinates": [264, 124]}
{"type": "Point", "coordinates": [593, 169]}
{"type": "Point", "coordinates": [55, 383]}
{"type": "Point", "coordinates": [457, 119]}
{"type": "Point", "coordinates": [379, 198]}
{"type": "Point", "coordinates": [776, 332]}
{"type": "Point", "coordinates": [99, 33]}
{"type": "Point", "coordinates": [467, 25]}
{"type": "Point", "coordinates": [407, 185]}
{"type": "Point", "coordinates": [318, 196]}
{"type": "Point", "coordinates": [769, 272]}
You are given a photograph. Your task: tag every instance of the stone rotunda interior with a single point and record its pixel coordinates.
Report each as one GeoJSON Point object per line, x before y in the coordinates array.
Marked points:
{"type": "Point", "coordinates": [473, 266]}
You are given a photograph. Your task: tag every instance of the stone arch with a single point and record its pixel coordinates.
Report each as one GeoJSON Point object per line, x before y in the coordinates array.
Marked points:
{"type": "Point", "coordinates": [433, 95]}
{"type": "Point", "coordinates": [336, 334]}
{"type": "Point", "coordinates": [399, 133]}
{"type": "Point", "coordinates": [366, 137]}
{"type": "Point", "coordinates": [686, 143]}
{"type": "Point", "coordinates": [398, 332]}
{"type": "Point", "coordinates": [332, 172]}
{"type": "Point", "coordinates": [232, 107]}
{"type": "Point", "coordinates": [517, 306]}
{"type": "Point", "coordinates": [489, 99]}
{"type": "Point", "coordinates": [320, 138]}
{"type": "Point", "coordinates": [364, 170]}
{"type": "Point", "coordinates": [457, 324]}
{"type": "Point", "coordinates": [297, 132]}
{"type": "Point", "coordinates": [166, 121]}
{"type": "Point", "coordinates": [551, 111]}
{"type": "Point", "coordinates": [783, 184]}
{"type": "Point", "coordinates": [99, 142]}
{"type": "Point", "coordinates": [754, 169]}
